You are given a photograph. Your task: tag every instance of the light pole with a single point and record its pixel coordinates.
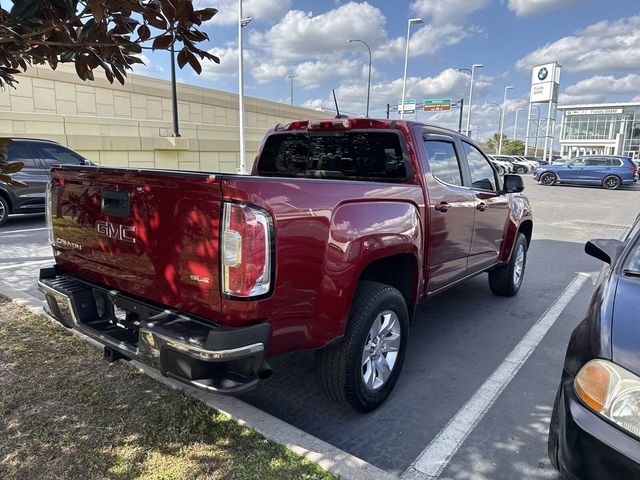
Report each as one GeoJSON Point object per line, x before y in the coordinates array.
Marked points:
{"type": "Point", "coordinates": [515, 124]}
{"type": "Point", "coordinates": [174, 94]}
{"type": "Point", "coordinates": [412, 21]}
{"type": "Point", "coordinates": [369, 82]}
{"type": "Point", "coordinates": [242, 22]}
{"type": "Point", "coordinates": [504, 109]}
{"type": "Point", "coordinates": [473, 71]}
{"type": "Point", "coordinates": [291, 77]}
{"type": "Point", "coordinates": [499, 118]}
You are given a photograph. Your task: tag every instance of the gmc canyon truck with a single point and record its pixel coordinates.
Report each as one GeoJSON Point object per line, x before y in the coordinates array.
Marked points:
{"type": "Point", "coordinates": [342, 228]}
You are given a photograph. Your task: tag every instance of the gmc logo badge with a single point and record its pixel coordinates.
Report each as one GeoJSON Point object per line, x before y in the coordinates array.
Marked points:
{"type": "Point", "coordinates": [115, 231]}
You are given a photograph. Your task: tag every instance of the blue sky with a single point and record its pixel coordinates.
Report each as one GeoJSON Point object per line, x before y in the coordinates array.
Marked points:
{"type": "Point", "coordinates": [597, 42]}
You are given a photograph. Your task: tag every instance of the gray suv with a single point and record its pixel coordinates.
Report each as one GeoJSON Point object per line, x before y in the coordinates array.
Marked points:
{"type": "Point", "coordinates": [38, 157]}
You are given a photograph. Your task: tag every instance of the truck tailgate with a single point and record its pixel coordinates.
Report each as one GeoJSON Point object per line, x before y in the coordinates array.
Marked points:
{"type": "Point", "coordinates": [152, 234]}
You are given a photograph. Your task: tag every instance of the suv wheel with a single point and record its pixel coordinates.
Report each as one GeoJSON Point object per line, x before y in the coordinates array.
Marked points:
{"type": "Point", "coordinates": [611, 182]}
{"type": "Point", "coordinates": [4, 211]}
{"type": "Point", "coordinates": [507, 279]}
{"type": "Point", "coordinates": [363, 369]}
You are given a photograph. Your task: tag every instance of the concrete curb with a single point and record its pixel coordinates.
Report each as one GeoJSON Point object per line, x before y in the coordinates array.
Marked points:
{"type": "Point", "coordinates": [332, 459]}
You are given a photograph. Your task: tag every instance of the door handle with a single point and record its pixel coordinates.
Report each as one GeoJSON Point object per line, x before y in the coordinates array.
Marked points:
{"type": "Point", "coordinates": [442, 207]}
{"type": "Point", "coordinates": [481, 206]}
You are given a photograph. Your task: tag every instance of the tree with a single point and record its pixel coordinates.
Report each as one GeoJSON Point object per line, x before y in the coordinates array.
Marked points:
{"type": "Point", "coordinates": [514, 147]}
{"type": "Point", "coordinates": [494, 141]}
{"type": "Point", "coordinates": [106, 34]}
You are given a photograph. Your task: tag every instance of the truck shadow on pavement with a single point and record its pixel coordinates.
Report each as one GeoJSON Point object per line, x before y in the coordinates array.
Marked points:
{"type": "Point", "coordinates": [457, 339]}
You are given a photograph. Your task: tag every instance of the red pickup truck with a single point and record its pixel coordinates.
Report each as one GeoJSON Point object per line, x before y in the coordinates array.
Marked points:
{"type": "Point", "coordinates": [343, 227]}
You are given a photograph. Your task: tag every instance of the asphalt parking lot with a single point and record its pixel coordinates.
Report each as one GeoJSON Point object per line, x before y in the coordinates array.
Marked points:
{"type": "Point", "coordinates": [458, 341]}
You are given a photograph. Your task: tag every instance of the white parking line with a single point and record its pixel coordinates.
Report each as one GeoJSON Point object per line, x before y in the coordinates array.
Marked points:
{"type": "Point", "coordinates": [3, 232]}
{"type": "Point", "coordinates": [24, 264]}
{"type": "Point", "coordinates": [434, 458]}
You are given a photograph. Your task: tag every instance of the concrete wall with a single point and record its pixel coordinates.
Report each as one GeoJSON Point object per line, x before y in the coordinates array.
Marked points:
{"type": "Point", "coordinates": [130, 125]}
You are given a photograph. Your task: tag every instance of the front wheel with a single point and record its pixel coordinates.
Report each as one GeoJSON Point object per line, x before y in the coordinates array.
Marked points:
{"type": "Point", "coordinates": [507, 279]}
{"type": "Point", "coordinates": [611, 182]}
{"type": "Point", "coordinates": [4, 211]}
{"type": "Point", "coordinates": [548, 179]}
{"type": "Point", "coordinates": [363, 369]}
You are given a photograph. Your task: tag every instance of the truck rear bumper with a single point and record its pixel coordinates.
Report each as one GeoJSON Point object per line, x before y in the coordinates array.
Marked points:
{"type": "Point", "coordinates": [192, 350]}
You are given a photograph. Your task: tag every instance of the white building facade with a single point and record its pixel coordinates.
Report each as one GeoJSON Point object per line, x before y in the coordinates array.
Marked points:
{"type": "Point", "coordinates": [600, 129]}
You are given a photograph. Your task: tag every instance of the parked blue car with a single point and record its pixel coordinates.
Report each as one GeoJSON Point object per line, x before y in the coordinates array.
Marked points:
{"type": "Point", "coordinates": [610, 171]}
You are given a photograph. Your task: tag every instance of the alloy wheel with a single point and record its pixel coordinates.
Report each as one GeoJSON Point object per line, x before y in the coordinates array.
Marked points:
{"type": "Point", "coordinates": [380, 351]}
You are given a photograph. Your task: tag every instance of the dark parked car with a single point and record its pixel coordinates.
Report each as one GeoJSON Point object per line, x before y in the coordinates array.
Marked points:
{"type": "Point", "coordinates": [38, 157]}
{"type": "Point", "coordinates": [595, 425]}
{"type": "Point", "coordinates": [610, 171]}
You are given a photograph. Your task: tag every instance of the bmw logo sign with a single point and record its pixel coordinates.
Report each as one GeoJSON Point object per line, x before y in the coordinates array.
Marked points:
{"type": "Point", "coordinates": [542, 73]}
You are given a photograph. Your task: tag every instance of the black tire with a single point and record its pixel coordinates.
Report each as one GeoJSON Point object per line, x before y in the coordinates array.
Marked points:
{"type": "Point", "coordinates": [548, 179]}
{"type": "Point", "coordinates": [340, 369]}
{"type": "Point", "coordinates": [611, 182]}
{"type": "Point", "coordinates": [502, 280]}
{"type": "Point", "coordinates": [552, 440]}
{"type": "Point", "coordinates": [521, 170]}
{"type": "Point", "coordinates": [4, 211]}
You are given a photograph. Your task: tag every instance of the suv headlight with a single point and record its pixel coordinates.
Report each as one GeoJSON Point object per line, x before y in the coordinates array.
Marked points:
{"type": "Point", "coordinates": [612, 392]}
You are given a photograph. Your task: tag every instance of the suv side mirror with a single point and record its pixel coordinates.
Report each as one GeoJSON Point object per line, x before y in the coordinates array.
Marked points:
{"type": "Point", "coordinates": [513, 184]}
{"type": "Point", "coordinates": [606, 249]}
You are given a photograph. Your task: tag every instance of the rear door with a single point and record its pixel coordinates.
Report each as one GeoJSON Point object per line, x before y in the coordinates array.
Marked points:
{"type": "Point", "coordinates": [491, 210]}
{"type": "Point", "coordinates": [33, 174]}
{"type": "Point", "coordinates": [595, 169]}
{"type": "Point", "coordinates": [450, 211]}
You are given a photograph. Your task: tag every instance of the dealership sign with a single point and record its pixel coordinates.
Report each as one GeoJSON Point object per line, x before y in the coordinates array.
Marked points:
{"type": "Point", "coordinates": [545, 82]}
{"type": "Point", "coordinates": [593, 111]}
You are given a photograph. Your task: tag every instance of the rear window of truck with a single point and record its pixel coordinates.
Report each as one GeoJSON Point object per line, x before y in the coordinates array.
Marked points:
{"type": "Point", "coordinates": [340, 155]}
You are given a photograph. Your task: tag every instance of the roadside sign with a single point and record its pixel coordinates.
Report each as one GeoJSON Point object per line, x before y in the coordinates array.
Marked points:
{"type": "Point", "coordinates": [409, 106]}
{"type": "Point", "coordinates": [439, 105]}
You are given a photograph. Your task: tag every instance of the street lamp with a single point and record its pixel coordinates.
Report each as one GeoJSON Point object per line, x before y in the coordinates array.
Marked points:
{"type": "Point", "coordinates": [369, 82]}
{"type": "Point", "coordinates": [412, 21]}
{"type": "Point", "coordinates": [472, 71]}
{"type": "Point", "coordinates": [504, 109]}
{"type": "Point", "coordinates": [515, 124]}
{"type": "Point", "coordinates": [291, 77]}
{"type": "Point", "coordinates": [242, 22]}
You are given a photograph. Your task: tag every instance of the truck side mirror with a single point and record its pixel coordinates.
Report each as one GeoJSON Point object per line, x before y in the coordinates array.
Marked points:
{"type": "Point", "coordinates": [606, 249]}
{"type": "Point", "coordinates": [513, 184]}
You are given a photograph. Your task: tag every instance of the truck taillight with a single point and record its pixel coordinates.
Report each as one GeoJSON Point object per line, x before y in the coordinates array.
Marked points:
{"type": "Point", "coordinates": [246, 242]}
{"type": "Point", "coordinates": [49, 213]}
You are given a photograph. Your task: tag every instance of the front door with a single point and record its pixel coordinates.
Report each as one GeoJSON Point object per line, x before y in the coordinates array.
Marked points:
{"type": "Point", "coordinates": [450, 211]}
{"type": "Point", "coordinates": [491, 210]}
{"type": "Point", "coordinates": [33, 174]}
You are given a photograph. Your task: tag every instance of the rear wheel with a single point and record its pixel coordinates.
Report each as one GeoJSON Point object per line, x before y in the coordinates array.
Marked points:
{"type": "Point", "coordinates": [611, 182]}
{"type": "Point", "coordinates": [548, 178]}
{"type": "Point", "coordinates": [507, 279]}
{"type": "Point", "coordinates": [4, 211]}
{"type": "Point", "coordinates": [521, 170]}
{"type": "Point", "coordinates": [363, 369]}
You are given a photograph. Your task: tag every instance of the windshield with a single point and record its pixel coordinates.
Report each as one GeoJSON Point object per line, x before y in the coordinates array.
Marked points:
{"type": "Point", "coordinates": [633, 261]}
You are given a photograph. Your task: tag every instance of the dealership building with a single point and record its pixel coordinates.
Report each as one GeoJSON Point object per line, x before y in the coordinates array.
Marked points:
{"type": "Point", "coordinates": [600, 129]}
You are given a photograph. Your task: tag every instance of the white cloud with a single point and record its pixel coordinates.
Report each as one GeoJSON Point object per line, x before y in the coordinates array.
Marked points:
{"type": "Point", "coordinates": [533, 7]}
{"type": "Point", "coordinates": [228, 66]}
{"type": "Point", "coordinates": [448, 83]}
{"type": "Point", "coordinates": [598, 88]}
{"type": "Point", "coordinates": [443, 11]}
{"type": "Point", "coordinates": [256, 9]}
{"type": "Point", "coordinates": [602, 47]}
{"type": "Point", "coordinates": [428, 39]}
{"type": "Point", "coordinates": [301, 35]}
{"type": "Point", "coordinates": [148, 68]}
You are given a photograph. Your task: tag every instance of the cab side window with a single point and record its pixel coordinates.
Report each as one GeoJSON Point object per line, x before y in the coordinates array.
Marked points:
{"type": "Point", "coordinates": [483, 177]}
{"type": "Point", "coordinates": [443, 161]}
